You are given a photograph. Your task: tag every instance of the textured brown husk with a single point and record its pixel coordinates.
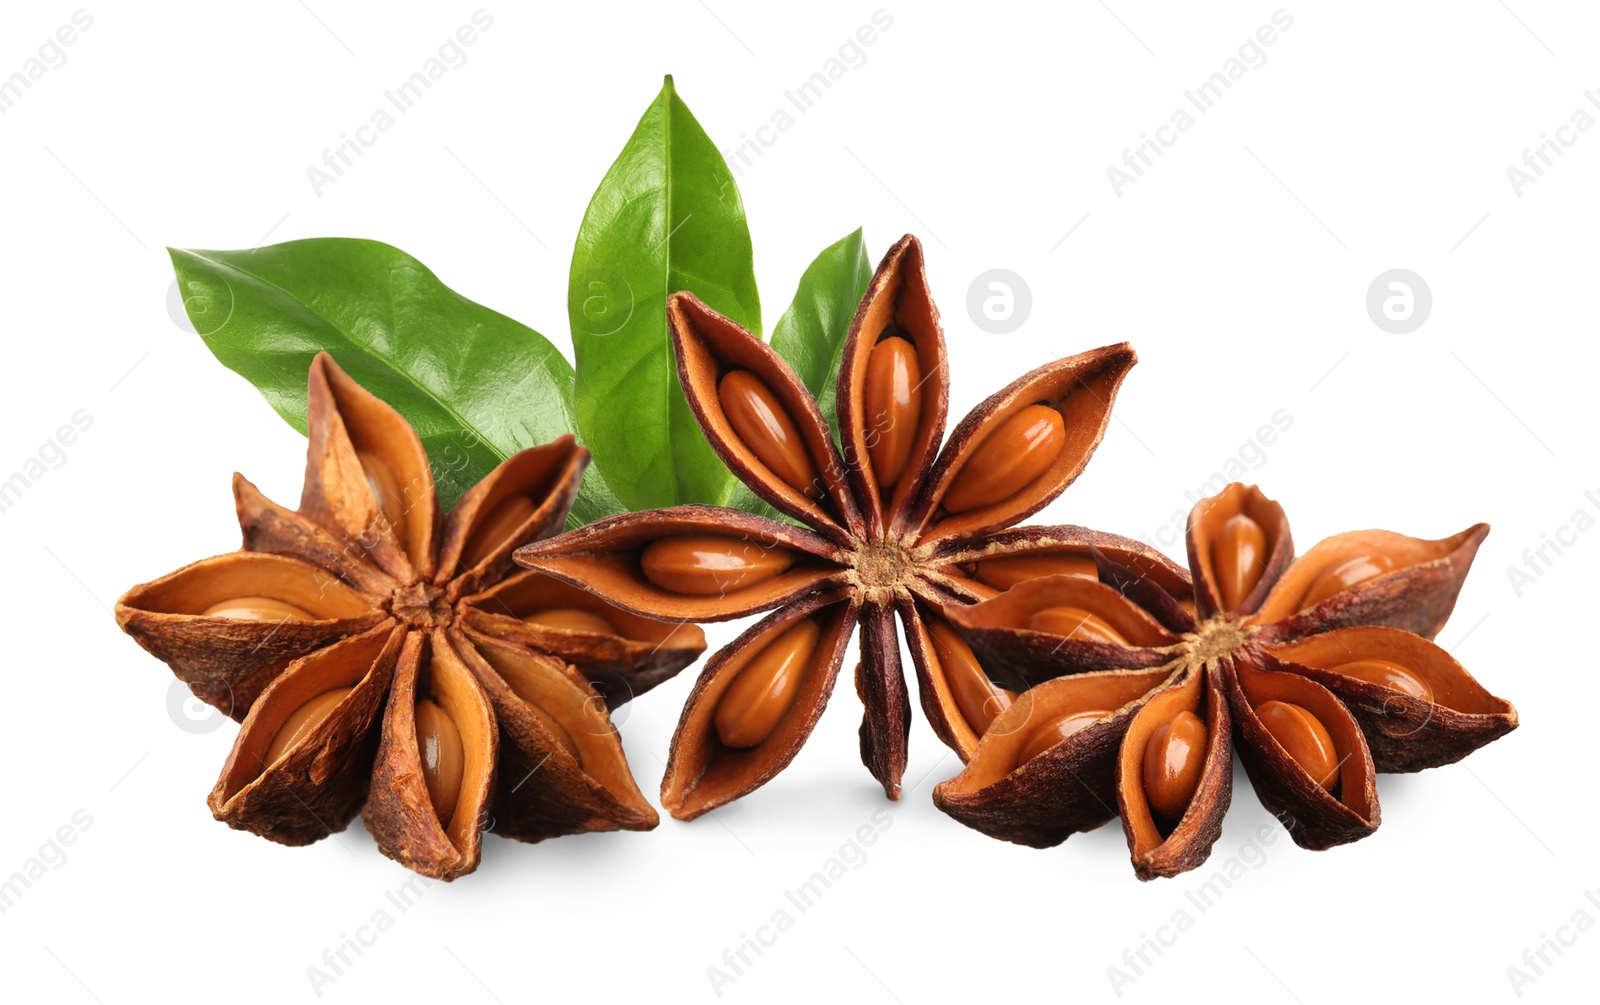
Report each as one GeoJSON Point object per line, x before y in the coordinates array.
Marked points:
{"type": "Point", "coordinates": [621, 667]}
{"type": "Point", "coordinates": [569, 797]}
{"type": "Point", "coordinates": [228, 663]}
{"type": "Point", "coordinates": [316, 787]}
{"type": "Point", "coordinates": [1404, 733]}
{"type": "Point", "coordinates": [702, 773]}
{"type": "Point", "coordinates": [1068, 788]}
{"type": "Point", "coordinates": [1188, 844]}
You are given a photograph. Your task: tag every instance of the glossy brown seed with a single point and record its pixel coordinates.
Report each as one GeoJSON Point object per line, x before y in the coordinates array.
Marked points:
{"type": "Point", "coordinates": [707, 565]}
{"type": "Point", "coordinates": [762, 693]}
{"type": "Point", "coordinates": [1390, 675]}
{"type": "Point", "coordinates": [496, 529]}
{"type": "Point", "coordinates": [1173, 758]}
{"type": "Point", "coordinates": [761, 422]}
{"type": "Point", "coordinates": [1304, 737]}
{"type": "Point", "coordinates": [1238, 558]}
{"type": "Point", "coordinates": [894, 404]}
{"type": "Point", "coordinates": [439, 744]}
{"type": "Point", "coordinates": [1075, 623]}
{"type": "Point", "coordinates": [258, 609]}
{"type": "Point", "coordinates": [978, 699]}
{"type": "Point", "coordinates": [1004, 573]}
{"type": "Point", "coordinates": [1052, 733]}
{"type": "Point", "coordinates": [385, 487]}
{"type": "Point", "coordinates": [302, 721]}
{"type": "Point", "coordinates": [1012, 456]}
{"type": "Point", "coordinates": [570, 619]}
{"type": "Point", "coordinates": [1345, 575]}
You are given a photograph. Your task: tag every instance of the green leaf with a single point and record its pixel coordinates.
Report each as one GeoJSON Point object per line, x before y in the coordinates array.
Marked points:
{"type": "Point", "coordinates": [667, 217]}
{"type": "Point", "coordinates": [810, 335]}
{"type": "Point", "coordinates": [476, 385]}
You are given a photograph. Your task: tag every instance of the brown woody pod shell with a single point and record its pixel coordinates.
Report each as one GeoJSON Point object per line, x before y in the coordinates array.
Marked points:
{"type": "Point", "coordinates": [1417, 596]}
{"type": "Point", "coordinates": [897, 303]}
{"type": "Point", "coordinates": [228, 662]}
{"type": "Point", "coordinates": [996, 630]}
{"type": "Point", "coordinates": [708, 346]}
{"type": "Point", "coordinates": [644, 652]}
{"type": "Point", "coordinates": [1157, 850]}
{"type": "Point", "coordinates": [1068, 788]}
{"type": "Point", "coordinates": [593, 791]}
{"type": "Point", "coordinates": [1314, 817]}
{"type": "Point", "coordinates": [546, 476]}
{"type": "Point", "coordinates": [1081, 387]}
{"type": "Point", "coordinates": [1403, 732]}
{"type": "Point", "coordinates": [269, 528]}
{"type": "Point", "coordinates": [399, 811]}
{"type": "Point", "coordinates": [703, 772]}
{"type": "Point", "coordinates": [344, 420]}
{"type": "Point", "coordinates": [604, 558]}
{"type": "Point", "coordinates": [316, 787]}
{"type": "Point", "coordinates": [1205, 524]}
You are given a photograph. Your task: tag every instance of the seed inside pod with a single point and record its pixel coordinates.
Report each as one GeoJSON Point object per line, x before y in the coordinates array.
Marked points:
{"type": "Point", "coordinates": [570, 619]}
{"type": "Point", "coordinates": [496, 529]}
{"type": "Point", "coordinates": [258, 609]}
{"type": "Point", "coordinates": [893, 405]}
{"type": "Point", "coordinates": [1390, 675]}
{"type": "Point", "coordinates": [1011, 457]}
{"type": "Point", "coordinates": [975, 695]}
{"type": "Point", "coordinates": [1075, 623]}
{"type": "Point", "coordinates": [1304, 737]}
{"type": "Point", "coordinates": [1238, 557]}
{"type": "Point", "coordinates": [1173, 757]}
{"type": "Point", "coordinates": [764, 425]}
{"type": "Point", "coordinates": [1004, 573]}
{"type": "Point", "coordinates": [1052, 733]}
{"type": "Point", "coordinates": [1345, 575]}
{"type": "Point", "coordinates": [302, 721]}
{"type": "Point", "coordinates": [707, 565]}
{"type": "Point", "coordinates": [762, 693]}
{"type": "Point", "coordinates": [385, 487]}
{"type": "Point", "coordinates": [439, 744]}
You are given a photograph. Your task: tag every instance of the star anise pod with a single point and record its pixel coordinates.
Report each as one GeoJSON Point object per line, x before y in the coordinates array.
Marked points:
{"type": "Point", "coordinates": [384, 660]}
{"type": "Point", "coordinates": [1320, 670]}
{"type": "Point", "coordinates": [884, 516]}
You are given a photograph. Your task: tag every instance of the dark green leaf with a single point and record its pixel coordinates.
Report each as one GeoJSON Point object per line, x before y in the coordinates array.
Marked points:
{"type": "Point", "coordinates": [810, 335]}
{"type": "Point", "coordinates": [476, 385]}
{"type": "Point", "coordinates": [667, 217]}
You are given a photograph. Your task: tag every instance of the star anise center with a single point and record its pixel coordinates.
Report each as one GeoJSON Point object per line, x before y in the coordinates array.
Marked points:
{"type": "Point", "coordinates": [421, 605]}
{"type": "Point", "coordinates": [1217, 637]}
{"type": "Point", "coordinates": [883, 566]}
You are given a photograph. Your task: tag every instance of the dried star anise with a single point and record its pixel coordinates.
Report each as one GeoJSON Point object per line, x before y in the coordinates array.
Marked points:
{"type": "Point", "coordinates": [1319, 669]}
{"type": "Point", "coordinates": [888, 515]}
{"type": "Point", "coordinates": [384, 662]}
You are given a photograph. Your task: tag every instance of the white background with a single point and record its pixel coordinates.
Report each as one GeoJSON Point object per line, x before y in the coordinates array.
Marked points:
{"type": "Point", "coordinates": [1372, 138]}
